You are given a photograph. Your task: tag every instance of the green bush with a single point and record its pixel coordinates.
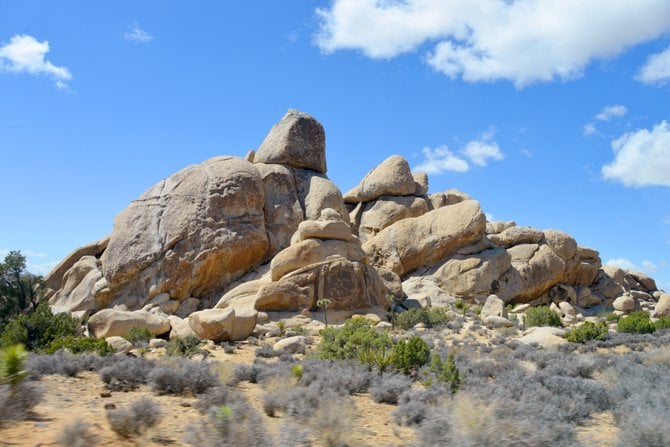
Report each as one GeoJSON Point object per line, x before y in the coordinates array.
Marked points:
{"type": "Point", "coordinates": [636, 323]}
{"type": "Point", "coordinates": [410, 354]}
{"type": "Point", "coordinates": [611, 316]}
{"type": "Point", "coordinates": [381, 358]}
{"type": "Point", "coordinates": [587, 331]}
{"type": "Point", "coordinates": [542, 316]}
{"type": "Point", "coordinates": [12, 365]}
{"type": "Point", "coordinates": [77, 345]}
{"type": "Point", "coordinates": [445, 371]}
{"type": "Point", "coordinates": [662, 323]}
{"type": "Point", "coordinates": [355, 336]}
{"type": "Point", "coordinates": [138, 335]}
{"type": "Point", "coordinates": [184, 346]}
{"type": "Point", "coordinates": [38, 328]}
{"type": "Point", "coordinates": [429, 316]}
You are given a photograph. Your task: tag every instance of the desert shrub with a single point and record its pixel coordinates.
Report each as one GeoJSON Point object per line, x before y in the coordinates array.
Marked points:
{"type": "Point", "coordinates": [37, 329]}
{"type": "Point", "coordinates": [297, 371]}
{"type": "Point", "coordinates": [182, 376]}
{"type": "Point", "coordinates": [636, 323]}
{"type": "Point", "coordinates": [77, 345]}
{"type": "Point", "coordinates": [228, 348]}
{"type": "Point", "coordinates": [138, 335]}
{"type": "Point", "coordinates": [340, 377]}
{"type": "Point", "coordinates": [662, 323]}
{"type": "Point", "coordinates": [65, 363]}
{"type": "Point", "coordinates": [184, 346]}
{"type": "Point", "coordinates": [77, 434]}
{"type": "Point", "coordinates": [587, 331]}
{"type": "Point", "coordinates": [134, 420]}
{"type": "Point", "coordinates": [16, 401]}
{"type": "Point", "coordinates": [356, 335]}
{"type": "Point", "coordinates": [294, 435]}
{"type": "Point", "coordinates": [235, 423]}
{"type": "Point", "coordinates": [265, 351]}
{"type": "Point", "coordinates": [611, 316]}
{"type": "Point", "coordinates": [542, 316]}
{"type": "Point", "coordinates": [389, 387]}
{"type": "Point", "coordinates": [12, 365]}
{"type": "Point", "coordinates": [410, 354]}
{"type": "Point", "coordinates": [429, 316]}
{"type": "Point", "coordinates": [444, 371]}
{"type": "Point", "coordinates": [414, 405]}
{"type": "Point", "coordinates": [126, 373]}
{"type": "Point", "coordinates": [380, 358]}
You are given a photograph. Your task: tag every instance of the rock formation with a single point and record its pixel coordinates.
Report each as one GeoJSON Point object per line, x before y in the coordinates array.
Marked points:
{"type": "Point", "coordinates": [203, 251]}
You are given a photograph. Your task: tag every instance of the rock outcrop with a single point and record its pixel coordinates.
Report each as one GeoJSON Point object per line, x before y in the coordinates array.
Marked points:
{"type": "Point", "coordinates": [208, 248]}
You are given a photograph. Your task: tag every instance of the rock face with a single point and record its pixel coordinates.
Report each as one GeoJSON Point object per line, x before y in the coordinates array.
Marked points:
{"type": "Point", "coordinates": [421, 241]}
{"type": "Point", "coordinates": [270, 232]}
{"type": "Point", "coordinates": [189, 235]}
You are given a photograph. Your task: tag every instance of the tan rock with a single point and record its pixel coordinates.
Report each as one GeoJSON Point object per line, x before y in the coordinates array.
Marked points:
{"type": "Point", "coordinates": [119, 344]}
{"type": "Point", "coordinates": [493, 307]}
{"type": "Point", "coordinates": [498, 226]}
{"type": "Point", "coordinates": [283, 296]}
{"type": "Point", "coordinates": [420, 241]}
{"type": "Point", "coordinates": [181, 329]}
{"type": "Point", "coordinates": [495, 322]}
{"type": "Point", "coordinates": [625, 303]}
{"type": "Point", "coordinates": [316, 193]}
{"type": "Point", "coordinates": [322, 229]}
{"type": "Point", "coordinates": [387, 210]}
{"type": "Point", "coordinates": [392, 177]}
{"type": "Point", "coordinates": [54, 279]}
{"type": "Point", "coordinates": [291, 344]}
{"type": "Point", "coordinates": [187, 307]}
{"type": "Point", "coordinates": [189, 235]}
{"type": "Point", "coordinates": [425, 289]}
{"type": "Point", "coordinates": [543, 337]}
{"type": "Point", "coordinates": [77, 290]}
{"type": "Point", "coordinates": [567, 309]}
{"type": "Point", "coordinates": [562, 243]}
{"type": "Point", "coordinates": [110, 322]}
{"type": "Point", "coordinates": [475, 276]}
{"type": "Point", "coordinates": [535, 270]}
{"type": "Point", "coordinates": [282, 209]}
{"type": "Point", "coordinates": [517, 235]}
{"type": "Point", "coordinates": [297, 140]}
{"type": "Point", "coordinates": [646, 281]}
{"type": "Point", "coordinates": [311, 251]}
{"type": "Point", "coordinates": [244, 324]}
{"type": "Point", "coordinates": [584, 268]}
{"type": "Point", "coordinates": [662, 308]}
{"type": "Point", "coordinates": [449, 197]}
{"type": "Point", "coordinates": [213, 324]}
{"type": "Point", "coordinates": [420, 183]}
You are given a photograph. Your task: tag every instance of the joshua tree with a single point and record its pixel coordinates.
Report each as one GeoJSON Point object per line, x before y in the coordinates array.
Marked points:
{"type": "Point", "coordinates": [323, 304]}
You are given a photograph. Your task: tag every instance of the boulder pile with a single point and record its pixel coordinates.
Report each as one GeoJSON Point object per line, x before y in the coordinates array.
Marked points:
{"type": "Point", "coordinates": [213, 247]}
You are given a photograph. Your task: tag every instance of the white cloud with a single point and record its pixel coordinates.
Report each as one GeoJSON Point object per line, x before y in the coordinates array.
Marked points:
{"type": "Point", "coordinates": [589, 129]}
{"type": "Point", "coordinates": [611, 111]}
{"type": "Point", "coordinates": [657, 68]}
{"type": "Point", "coordinates": [649, 266]}
{"type": "Point", "coordinates": [526, 153]}
{"type": "Point", "coordinates": [25, 54]}
{"type": "Point", "coordinates": [478, 152]}
{"type": "Point", "coordinates": [523, 41]}
{"type": "Point", "coordinates": [642, 158]}
{"type": "Point", "coordinates": [137, 34]}
{"type": "Point", "coordinates": [490, 217]}
{"type": "Point", "coordinates": [440, 160]}
{"type": "Point", "coordinates": [42, 268]}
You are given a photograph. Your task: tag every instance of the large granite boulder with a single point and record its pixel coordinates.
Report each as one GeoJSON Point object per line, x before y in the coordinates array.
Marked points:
{"type": "Point", "coordinates": [189, 235]}
{"type": "Point", "coordinates": [392, 177]}
{"type": "Point", "coordinates": [297, 140]}
{"type": "Point", "coordinates": [112, 322]}
{"type": "Point", "coordinates": [423, 241]}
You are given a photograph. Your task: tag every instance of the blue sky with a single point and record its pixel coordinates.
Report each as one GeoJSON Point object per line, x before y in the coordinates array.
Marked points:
{"type": "Point", "coordinates": [552, 114]}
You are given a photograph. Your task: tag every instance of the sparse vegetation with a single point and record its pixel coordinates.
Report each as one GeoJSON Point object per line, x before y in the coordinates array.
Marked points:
{"type": "Point", "coordinates": [77, 345]}
{"type": "Point", "coordinates": [636, 323]}
{"type": "Point", "coordinates": [410, 354]}
{"type": "Point", "coordinates": [134, 420]}
{"type": "Point", "coordinates": [542, 316]}
{"type": "Point", "coordinates": [77, 434]}
{"type": "Point", "coordinates": [37, 329]}
{"type": "Point", "coordinates": [428, 316]}
{"type": "Point", "coordinates": [138, 336]}
{"type": "Point", "coordinates": [587, 331]}
{"type": "Point", "coordinates": [357, 335]}
{"type": "Point", "coordinates": [184, 346]}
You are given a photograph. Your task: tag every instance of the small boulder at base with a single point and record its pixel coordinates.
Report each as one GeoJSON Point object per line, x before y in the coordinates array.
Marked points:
{"type": "Point", "coordinates": [493, 307]}
{"type": "Point", "coordinates": [119, 344]}
{"type": "Point", "coordinates": [290, 344]}
{"type": "Point", "coordinates": [213, 324]}
{"type": "Point", "coordinates": [544, 337]}
{"type": "Point", "coordinates": [110, 322]}
{"type": "Point", "coordinates": [624, 303]}
{"type": "Point", "coordinates": [662, 308]}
